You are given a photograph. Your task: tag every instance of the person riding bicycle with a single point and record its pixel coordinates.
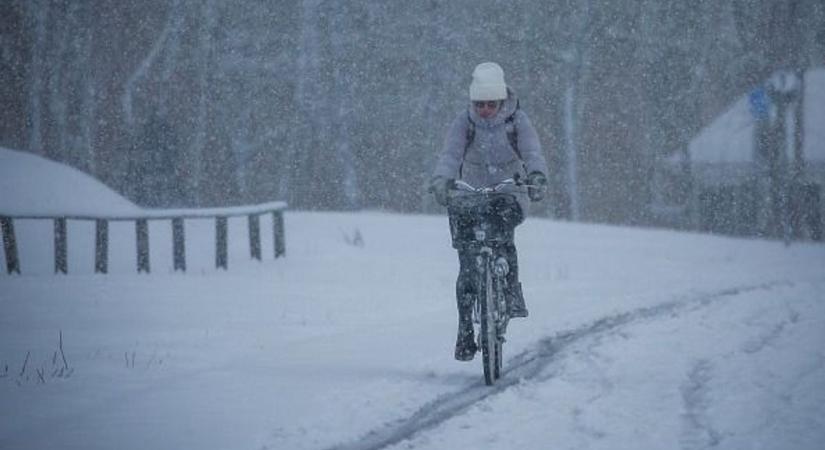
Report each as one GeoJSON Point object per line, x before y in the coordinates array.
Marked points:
{"type": "Point", "coordinates": [492, 141]}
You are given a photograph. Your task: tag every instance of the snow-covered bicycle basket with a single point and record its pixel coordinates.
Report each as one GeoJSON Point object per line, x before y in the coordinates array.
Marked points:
{"type": "Point", "coordinates": [490, 218]}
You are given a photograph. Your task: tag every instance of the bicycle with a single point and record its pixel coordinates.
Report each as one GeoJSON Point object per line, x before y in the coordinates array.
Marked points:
{"type": "Point", "coordinates": [490, 312]}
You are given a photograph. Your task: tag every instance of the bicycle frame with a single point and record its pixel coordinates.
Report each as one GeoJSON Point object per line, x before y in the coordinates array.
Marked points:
{"type": "Point", "coordinates": [490, 308]}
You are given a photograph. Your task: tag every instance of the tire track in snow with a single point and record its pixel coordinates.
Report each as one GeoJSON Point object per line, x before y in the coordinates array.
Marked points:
{"type": "Point", "coordinates": [528, 365]}
{"type": "Point", "coordinates": [698, 432]}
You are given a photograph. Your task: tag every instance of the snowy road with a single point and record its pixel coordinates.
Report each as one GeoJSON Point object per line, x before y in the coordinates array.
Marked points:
{"type": "Point", "coordinates": [580, 361]}
{"type": "Point", "coordinates": [637, 338]}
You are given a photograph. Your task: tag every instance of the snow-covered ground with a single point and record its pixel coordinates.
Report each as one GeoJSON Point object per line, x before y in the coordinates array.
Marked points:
{"type": "Point", "coordinates": [638, 339]}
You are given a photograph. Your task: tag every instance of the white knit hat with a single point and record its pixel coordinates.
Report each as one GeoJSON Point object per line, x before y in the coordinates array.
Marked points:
{"type": "Point", "coordinates": [488, 83]}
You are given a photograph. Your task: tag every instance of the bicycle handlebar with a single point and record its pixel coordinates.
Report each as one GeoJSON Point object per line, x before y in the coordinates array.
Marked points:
{"type": "Point", "coordinates": [460, 185]}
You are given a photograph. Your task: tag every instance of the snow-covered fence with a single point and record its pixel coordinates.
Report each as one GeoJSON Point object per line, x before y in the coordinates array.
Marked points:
{"type": "Point", "coordinates": [176, 217]}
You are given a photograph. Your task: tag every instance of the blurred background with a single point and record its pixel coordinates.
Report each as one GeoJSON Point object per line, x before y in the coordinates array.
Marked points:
{"type": "Point", "coordinates": [343, 105]}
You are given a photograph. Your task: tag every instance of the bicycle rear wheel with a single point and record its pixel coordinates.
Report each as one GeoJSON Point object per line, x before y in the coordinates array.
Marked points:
{"type": "Point", "coordinates": [490, 345]}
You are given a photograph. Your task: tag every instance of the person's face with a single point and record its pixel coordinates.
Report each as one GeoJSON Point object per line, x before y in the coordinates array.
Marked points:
{"type": "Point", "coordinates": [487, 109]}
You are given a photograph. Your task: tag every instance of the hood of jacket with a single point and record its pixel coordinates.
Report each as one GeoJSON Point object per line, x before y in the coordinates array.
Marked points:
{"type": "Point", "coordinates": [508, 107]}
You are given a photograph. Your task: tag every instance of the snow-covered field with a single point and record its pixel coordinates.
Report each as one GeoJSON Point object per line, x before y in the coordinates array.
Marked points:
{"type": "Point", "coordinates": [638, 339]}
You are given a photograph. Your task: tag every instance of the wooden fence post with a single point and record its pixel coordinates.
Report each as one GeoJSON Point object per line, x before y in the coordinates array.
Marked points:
{"type": "Point", "coordinates": [101, 246]}
{"type": "Point", "coordinates": [10, 245]}
{"type": "Point", "coordinates": [255, 236]}
{"type": "Point", "coordinates": [220, 242]}
{"type": "Point", "coordinates": [178, 244]}
{"type": "Point", "coordinates": [60, 246]}
{"type": "Point", "coordinates": [278, 230]}
{"type": "Point", "coordinates": [142, 233]}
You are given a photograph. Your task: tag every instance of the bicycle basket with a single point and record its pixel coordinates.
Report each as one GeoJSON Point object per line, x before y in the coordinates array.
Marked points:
{"type": "Point", "coordinates": [496, 214]}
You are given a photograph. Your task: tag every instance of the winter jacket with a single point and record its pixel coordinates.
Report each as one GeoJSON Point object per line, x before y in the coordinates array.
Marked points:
{"type": "Point", "coordinates": [490, 158]}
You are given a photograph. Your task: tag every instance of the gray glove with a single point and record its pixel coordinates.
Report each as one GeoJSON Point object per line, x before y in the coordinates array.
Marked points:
{"type": "Point", "coordinates": [439, 187]}
{"type": "Point", "coordinates": [538, 183]}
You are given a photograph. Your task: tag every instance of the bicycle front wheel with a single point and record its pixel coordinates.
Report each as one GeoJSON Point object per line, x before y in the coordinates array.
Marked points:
{"type": "Point", "coordinates": [490, 345]}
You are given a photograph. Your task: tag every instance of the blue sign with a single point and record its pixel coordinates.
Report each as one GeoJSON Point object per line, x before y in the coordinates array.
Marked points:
{"type": "Point", "coordinates": [759, 103]}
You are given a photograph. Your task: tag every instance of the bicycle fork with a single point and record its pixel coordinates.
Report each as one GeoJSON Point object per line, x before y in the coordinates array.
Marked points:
{"type": "Point", "coordinates": [499, 268]}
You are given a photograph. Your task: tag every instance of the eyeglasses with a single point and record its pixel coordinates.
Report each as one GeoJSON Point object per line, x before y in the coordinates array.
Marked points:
{"type": "Point", "coordinates": [489, 104]}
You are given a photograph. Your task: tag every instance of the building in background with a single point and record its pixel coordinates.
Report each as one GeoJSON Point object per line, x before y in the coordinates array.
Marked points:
{"type": "Point", "coordinates": [758, 169]}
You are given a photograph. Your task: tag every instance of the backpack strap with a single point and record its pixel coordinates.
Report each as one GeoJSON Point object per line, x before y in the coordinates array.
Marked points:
{"type": "Point", "coordinates": [471, 133]}
{"type": "Point", "coordinates": [512, 132]}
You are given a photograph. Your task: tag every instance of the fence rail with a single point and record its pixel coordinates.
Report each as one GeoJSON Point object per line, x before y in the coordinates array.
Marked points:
{"type": "Point", "coordinates": [175, 216]}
